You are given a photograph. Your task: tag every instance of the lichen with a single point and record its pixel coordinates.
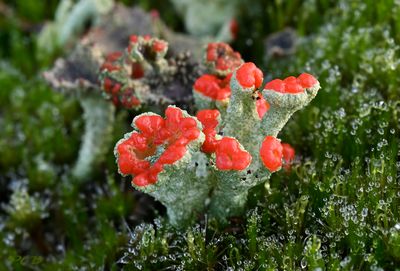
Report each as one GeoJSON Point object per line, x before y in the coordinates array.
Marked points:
{"type": "Point", "coordinates": [243, 156]}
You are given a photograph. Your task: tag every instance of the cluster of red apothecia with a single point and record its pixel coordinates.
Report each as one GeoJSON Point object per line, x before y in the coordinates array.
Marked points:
{"type": "Point", "coordinates": [121, 68]}
{"type": "Point", "coordinates": [229, 155]}
{"type": "Point", "coordinates": [176, 131]}
{"type": "Point", "coordinates": [222, 61]}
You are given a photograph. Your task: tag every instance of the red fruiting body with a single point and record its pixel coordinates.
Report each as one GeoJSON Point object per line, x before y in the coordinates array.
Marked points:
{"type": "Point", "coordinates": [223, 57]}
{"type": "Point", "coordinates": [111, 57]}
{"type": "Point", "coordinates": [307, 80]}
{"type": "Point", "coordinates": [174, 132]}
{"type": "Point", "coordinates": [133, 39]}
{"type": "Point", "coordinates": [292, 84]}
{"type": "Point", "coordinates": [262, 106]}
{"type": "Point", "coordinates": [159, 46]}
{"type": "Point", "coordinates": [210, 143]}
{"type": "Point", "coordinates": [213, 87]}
{"type": "Point", "coordinates": [149, 176]}
{"type": "Point", "coordinates": [108, 84]}
{"type": "Point", "coordinates": [111, 86]}
{"type": "Point", "coordinates": [129, 160]}
{"type": "Point", "coordinates": [211, 52]}
{"type": "Point", "coordinates": [229, 155]}
{"type": "Point", "coordinates": [209, 120]}
{"type": "Point", "coordinates": [126, 66]}
{"type": "Point", "coordinates": [277, 84]}
{"type": "Point", "coordinates": [288, 153]}
{"type": "Point", "coordinates": [149, 125]}
{"type": "Point", "coordinates": [137, 71]}
{"type": "Point", "coordinates": [248, 75]}
{"type": "Point", "coordinates": [109, 67]}
{"type": "Point", "coordinates": [109, 63]}
{"type": "Point", "coordinates": [172, 154]}
{"type": "Point", "coordinates": [271, 153]}
{"type": "Point", "coordinates": [128, 99]}
{"type": "Point", "coordinates": [116, 88]}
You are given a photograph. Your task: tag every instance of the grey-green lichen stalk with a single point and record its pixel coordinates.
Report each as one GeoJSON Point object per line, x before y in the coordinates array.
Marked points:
{"type": "Point", "coordinates": [99, 116]}
{"type": "Point", "coordinates": [244, 122]}
{"type": "Point", "coordinates": [209, 162]}
{"type": "Point", "coordinates": [76, 77]}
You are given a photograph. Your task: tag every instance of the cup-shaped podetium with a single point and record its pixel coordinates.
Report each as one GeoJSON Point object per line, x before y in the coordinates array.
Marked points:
{"type": "Point", "coordinates": [163, 156]}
